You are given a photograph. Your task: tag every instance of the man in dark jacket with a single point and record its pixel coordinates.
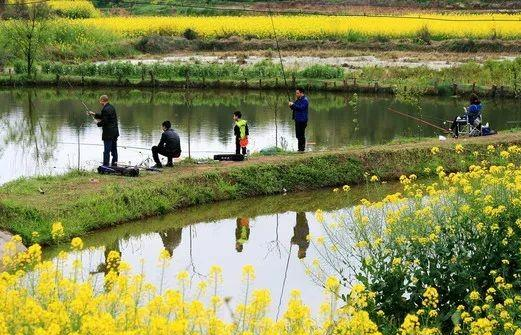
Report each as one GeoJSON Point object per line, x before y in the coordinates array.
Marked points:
{"type": "Point", "coordinates": [300, 115]}
{"type": "Point", "coordinates": [169, 146]}
{"type": "Point", "coordinates": [107, 119]}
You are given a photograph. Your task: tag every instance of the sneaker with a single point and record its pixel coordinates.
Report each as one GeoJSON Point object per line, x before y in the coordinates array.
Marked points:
{"type": "Point", "coordinates": [157, 166]}
{"type": "Point", "coordinates": [169, 165]}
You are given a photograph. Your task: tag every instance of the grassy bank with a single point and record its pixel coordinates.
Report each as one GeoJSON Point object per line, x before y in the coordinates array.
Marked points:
{"type": "Point", "coordinates": [84, 201]}
{"type": "Point", "coordinates": [493, 78]}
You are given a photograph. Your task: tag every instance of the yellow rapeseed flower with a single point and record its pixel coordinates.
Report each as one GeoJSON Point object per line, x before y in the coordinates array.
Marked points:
{"type": "Point", "coordinates": [76, 243]}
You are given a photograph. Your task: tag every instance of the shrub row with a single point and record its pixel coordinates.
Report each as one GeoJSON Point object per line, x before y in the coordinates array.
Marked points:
{"type": "Point", "coordinates": [122, 70]}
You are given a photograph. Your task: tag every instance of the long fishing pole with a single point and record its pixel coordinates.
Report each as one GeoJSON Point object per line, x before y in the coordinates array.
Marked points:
{"type": "Point", "coordinates": [278, 50]}
{"type": "Point", "coordinates": [81, 100]}
{"type": "Point", "coordinates": [418, 120]}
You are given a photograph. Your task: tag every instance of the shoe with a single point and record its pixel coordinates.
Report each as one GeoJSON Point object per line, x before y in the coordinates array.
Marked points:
{"type": "Point", "coordinates": [157, 166]}
{"type": "Point", "coordinates": [114, 164]}
{"type": "Point", "coordinates": [169, 165]}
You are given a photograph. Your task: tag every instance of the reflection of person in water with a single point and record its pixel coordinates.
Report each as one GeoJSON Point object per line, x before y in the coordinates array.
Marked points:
{"type": "Point", "coordinates": [300, 234]}
{"type": "Point", "coordinates": [171, 239]}
{"type": "Point", "coordinates": [103, 267]}
{"type": "Point", "coordinates": [242, 233]}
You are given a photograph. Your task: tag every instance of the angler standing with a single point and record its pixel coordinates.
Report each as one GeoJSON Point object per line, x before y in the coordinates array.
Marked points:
{"type": "Point", "coordinates": [300, 115]}
{"type": "Point", "coordinates": [107, 119]}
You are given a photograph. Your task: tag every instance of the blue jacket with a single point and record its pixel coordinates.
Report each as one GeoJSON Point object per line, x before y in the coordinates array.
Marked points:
{"type": "Point", "coordinates": [473, 112]}
{"type": "Point", "coordinates": [300, 109]}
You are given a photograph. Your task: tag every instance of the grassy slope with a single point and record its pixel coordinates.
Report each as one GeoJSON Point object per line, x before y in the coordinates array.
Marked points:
{"type": "Point", "coordinates": [83, 205]}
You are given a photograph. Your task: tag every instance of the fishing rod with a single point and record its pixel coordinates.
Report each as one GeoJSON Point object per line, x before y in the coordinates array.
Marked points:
{"type": "Point", "coordinates": [87, 109]}
{"type": "Point", "coordinates": [418, 120]}
{"type": "Point", "coordinates": [278, 50]}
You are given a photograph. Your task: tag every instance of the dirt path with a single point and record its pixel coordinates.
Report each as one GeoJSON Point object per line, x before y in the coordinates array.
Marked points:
{"type": "Point", "coordinates": [408, 60]}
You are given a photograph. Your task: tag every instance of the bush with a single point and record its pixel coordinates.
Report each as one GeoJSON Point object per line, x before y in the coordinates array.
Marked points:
{"type": "Point", "coordinates": [160, 44]}
{"type": "Point", "coordinates": [456, 235]}
{"type": "Point", "coordinates": [20, 67]}
{"type": "Point", "coordinates": [190, 34]}
{"type": "Point", "coordinates": [424, 35]}
{"type": "Point", "coordinates": [322, 72]}
{"type": "Point", "coordinates": [74, 9]}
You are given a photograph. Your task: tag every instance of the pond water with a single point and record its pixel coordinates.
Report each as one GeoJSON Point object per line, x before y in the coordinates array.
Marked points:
{"type": "Point", "coordinates": [268, 233]}
{"type": "Point", "coordinates": [41, 128]}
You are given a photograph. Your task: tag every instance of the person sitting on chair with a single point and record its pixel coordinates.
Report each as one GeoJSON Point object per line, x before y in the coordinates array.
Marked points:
{"type": "Point", "coordinates": [472, 116]}
{"type": "Point", "coordinates": [169, 146]}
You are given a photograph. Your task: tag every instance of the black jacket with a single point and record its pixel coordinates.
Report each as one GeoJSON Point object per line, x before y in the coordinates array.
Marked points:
{"type": "Point", "coordinates": [170, 141]}
{"type": "Point", "coordinates": [108, 120]}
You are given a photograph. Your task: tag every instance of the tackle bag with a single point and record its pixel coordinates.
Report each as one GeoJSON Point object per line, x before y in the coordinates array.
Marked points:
{"type": "Point", "coordinates": [119, 170]}
{"type": "Point", "coordinates": [229, 157]}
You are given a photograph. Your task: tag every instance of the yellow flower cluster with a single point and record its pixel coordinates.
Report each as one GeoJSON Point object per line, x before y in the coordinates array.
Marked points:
{"type": "Point", "coordinates": [57, 230]}
{"type": "Point", "coordinates": [46, 300]}
{"type": "Point", "coordinates": [312, 26]}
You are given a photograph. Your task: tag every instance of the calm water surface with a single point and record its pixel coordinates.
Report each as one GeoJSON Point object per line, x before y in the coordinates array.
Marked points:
{"type": "Point", "coordinates": [40, 128]}
{"type": "Point", "coordinates": [203, 236]}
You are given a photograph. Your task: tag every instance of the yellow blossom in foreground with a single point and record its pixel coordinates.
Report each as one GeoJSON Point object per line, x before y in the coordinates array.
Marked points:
{"type": "Point", "coordinates": [76, 243]}
{"type": "Point", "coordinates": [57, 230]}
{"type": "Point", "coordinates": [458, 148]}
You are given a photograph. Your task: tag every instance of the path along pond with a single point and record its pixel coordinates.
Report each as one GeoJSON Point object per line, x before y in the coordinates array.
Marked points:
{"type": "Point", "coordinates": [268, 233]}
{"type": "Point", "coordinates": [41, 128]}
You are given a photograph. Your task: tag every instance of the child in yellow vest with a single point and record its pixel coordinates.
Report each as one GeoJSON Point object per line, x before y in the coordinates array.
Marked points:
{"type": "Point", "coordinates": [241, 133]}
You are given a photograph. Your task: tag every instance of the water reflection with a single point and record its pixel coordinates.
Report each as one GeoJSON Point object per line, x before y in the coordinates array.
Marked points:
{"type": "Point", "coordinates": [271, 233]}
{"type": "Point", "coordinates": [300, 234]}
{"type": "Point", "coordinates": [28, 131]}
{"type": "Point", "coordinates": [45, 126]}
{"type": "Point", "coordinates": [171, 239]}
{"type": "Point", "coordinates": [242, 233]}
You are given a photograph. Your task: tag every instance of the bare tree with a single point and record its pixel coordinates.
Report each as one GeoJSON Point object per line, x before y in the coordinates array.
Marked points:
{"type": "Point", "coordinates": [26, 33]}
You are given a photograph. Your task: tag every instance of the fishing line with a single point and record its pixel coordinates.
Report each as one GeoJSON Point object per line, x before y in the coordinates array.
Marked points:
{"type": "Point", "coordinates": [133, 147]}
{"type": "Point", "coordinates": [418, 119]}
{"type": "Point", "coordinates": [284, 281]}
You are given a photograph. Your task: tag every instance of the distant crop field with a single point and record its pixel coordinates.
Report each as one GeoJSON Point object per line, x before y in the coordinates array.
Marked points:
{"type": "Point", "coordinates": [479, 26]}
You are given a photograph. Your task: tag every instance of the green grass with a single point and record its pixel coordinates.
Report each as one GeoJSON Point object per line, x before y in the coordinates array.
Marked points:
{"type": "Point", "coordinates": [84, 206]}
{"type": "Point", "coordinates": [493, 78]}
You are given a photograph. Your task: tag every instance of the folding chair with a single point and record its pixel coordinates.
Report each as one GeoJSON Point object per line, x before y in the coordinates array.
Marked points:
{"type": "Point", "coordinates": [467, 128]}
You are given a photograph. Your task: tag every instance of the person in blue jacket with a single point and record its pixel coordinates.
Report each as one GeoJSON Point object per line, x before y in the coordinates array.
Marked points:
{"type": "Point", "coordinates": [300, 115]}
{"type": "Point", "coordinates": [473, 115]}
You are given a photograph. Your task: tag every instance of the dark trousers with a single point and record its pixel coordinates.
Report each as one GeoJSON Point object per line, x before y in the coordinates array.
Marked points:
{"type": "Point", "coordinates": [454, 127]}
{"type": "Point", "coordinates": [110, 147]}
{"type": "Point", "coordinates": [300, 131]}
{"type": "Point", "coordinates": [156, 151]}
{"type": "Point", "coordinates": [238, 148]}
